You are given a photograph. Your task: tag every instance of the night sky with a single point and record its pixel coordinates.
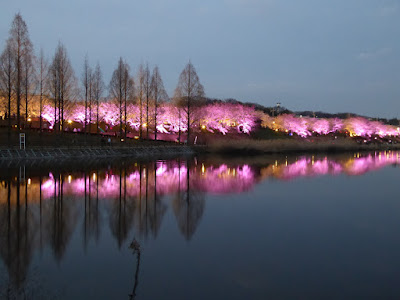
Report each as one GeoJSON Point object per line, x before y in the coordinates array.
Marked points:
{"type": "Point", "coordinates": [335, 56]}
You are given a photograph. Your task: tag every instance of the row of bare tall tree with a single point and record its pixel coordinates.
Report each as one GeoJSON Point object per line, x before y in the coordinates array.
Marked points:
{"type": "Point", "coordinates": [16, 63]}
{"type": "Point", "coordinates": [23, 75]}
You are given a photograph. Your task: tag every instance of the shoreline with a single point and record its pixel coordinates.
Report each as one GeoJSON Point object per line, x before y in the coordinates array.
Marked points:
{"type": "Point", "coordinates": [88, 152]}
{"type": "Point", "coordinates": [290, 146]}
{"type": "Point", "coordinates": [233, 148]}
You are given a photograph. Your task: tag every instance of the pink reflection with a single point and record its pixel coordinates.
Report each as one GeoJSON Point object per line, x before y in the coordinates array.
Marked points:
{"type": "Point", "coordinates": [167, 178]}
{"type": "Point", "coordinates": [308, 167]}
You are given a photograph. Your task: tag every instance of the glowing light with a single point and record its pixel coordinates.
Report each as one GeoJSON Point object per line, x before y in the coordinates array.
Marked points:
{"type": "Point", "coordinates": [220, 178]}
{"type": "Point", "coordinates": [305, 127]}
{"type": "Point", "coordinates": [29, 119]}
{"type": "Point", "coordinates": [223, 118]}
{"type": "Point", "coordinates": [29, 181]}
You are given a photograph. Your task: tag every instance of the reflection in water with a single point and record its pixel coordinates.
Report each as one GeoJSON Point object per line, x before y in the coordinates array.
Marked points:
{"type": "Point", "coordinates": [17, 234]}
{"type": "Point", "coordinates": [60, 216]}
{"type": "Point", "coordinates": [188, 205]}
{"type": "Point", "coordinates": [45, 211]}
{"type": "Point", "coordinates": [91, 223]}
{"type": "Point", "coordinates": [135, 246]}
{"type": "Point", "coordinates": [311, 166]}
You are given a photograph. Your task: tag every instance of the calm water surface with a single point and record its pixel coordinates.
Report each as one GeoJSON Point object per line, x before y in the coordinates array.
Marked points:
{"type": "Point", "coordinates": [300, 227]}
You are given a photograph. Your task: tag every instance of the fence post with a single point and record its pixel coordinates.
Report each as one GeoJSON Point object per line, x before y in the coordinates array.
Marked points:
{"type": "Point", "coordinates": [22, 141]}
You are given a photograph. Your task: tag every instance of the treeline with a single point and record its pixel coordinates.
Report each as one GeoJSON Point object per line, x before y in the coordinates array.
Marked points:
{"type": "Point", "coordinates": [30, 84]}
{"type": "Point", "coordinates": [26, 78]}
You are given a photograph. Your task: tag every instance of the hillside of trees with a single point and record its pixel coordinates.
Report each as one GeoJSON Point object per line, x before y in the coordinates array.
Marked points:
{"type": "Point", "coordinates": [50, 95]}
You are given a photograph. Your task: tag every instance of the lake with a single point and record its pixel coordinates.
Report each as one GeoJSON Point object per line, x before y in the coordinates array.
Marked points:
{"type": "Point", "coordinates": [273, 227]}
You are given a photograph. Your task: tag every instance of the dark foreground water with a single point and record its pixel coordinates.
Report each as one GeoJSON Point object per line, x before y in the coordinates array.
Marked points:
{"type": "Point", "coordinates": [301, 227]}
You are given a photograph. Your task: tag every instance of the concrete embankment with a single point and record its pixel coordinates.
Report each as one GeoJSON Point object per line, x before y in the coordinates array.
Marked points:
{"type": "Point", "coordinates": [155, 152]}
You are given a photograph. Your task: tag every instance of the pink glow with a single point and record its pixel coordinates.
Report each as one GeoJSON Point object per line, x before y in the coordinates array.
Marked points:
{"type": "Point", "coordinates": [226, 118]}
{"type": "Point", "coordinates": [223, 118]}
{"type": "Point", "coordinates": [291, 123]}
{"type": "Point", "coordinates": [171, 177]}
{"type": "Point", "coordinates": [310, 166]}
{"type": "Point", "coordinates": [48, 114]}
{"type": "Point", "coordinates": [304, 126]}
{"type": "Point", "coordinates": [320, 126]}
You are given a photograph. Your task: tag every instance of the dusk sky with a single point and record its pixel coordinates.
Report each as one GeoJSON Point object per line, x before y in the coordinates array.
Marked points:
{"type": "Point", "coordinates": [334, 56]}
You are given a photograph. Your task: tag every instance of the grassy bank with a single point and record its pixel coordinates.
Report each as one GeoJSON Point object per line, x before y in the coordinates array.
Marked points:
{"type": "Point", "coordinates": [261, 142]}
{"type": "Point", "coordinates": [35, 140]}
{"type": "Point", "coordinates": [250, 146]}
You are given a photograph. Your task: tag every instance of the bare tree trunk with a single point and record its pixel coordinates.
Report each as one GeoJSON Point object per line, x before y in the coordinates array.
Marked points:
{"type": "Point", "coordinates": [119, 89]}
{"type": "Point", "coordinates": [26, 83]}
{"type": "Point", "coordinates": [98, 86]}
{"type": "Point", "coordinates": [9, 114]}
{"type": "Point", "coordinates": [85, 80]}
{"type": "Point", "coordinates": [155, 112]}
{"type": "Point", "coordinates": [147, 88]}
{"type": "Point", "coordinates": [120, 98]}
{"type": "Point", "coordinates": [55, 106]}
{"type": "Point", "coordinates": [62, 112]}
{"type": "Point", "coordinates": [179, 134]}
{"type": "Point", "coordinates": [189, 95]}
{"type": "Point", "coordinates": [158, 94]}
{"type": "Point", "coordinates": [141, 119]}
{"type": "Point", "coordinates": [62, 84]}
{"type": "Point", "coordinates": [18, 88]}
{"type": "Point", "coordinates": [6, 76]}
{"type": "Point", "coordinates": [41, 80]}
{"type": "Point", "coordinates": [97, 116]}
{"type": "Point", "coordinates": [125, 96]}
{"type": "Point", "coordinates": [190, 89]}
{"type": "Point", "coordinates": [90, 104]}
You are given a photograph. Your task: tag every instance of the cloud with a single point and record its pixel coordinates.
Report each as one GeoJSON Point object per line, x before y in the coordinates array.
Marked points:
{"type": "Point", "coordinates": [374, 54]}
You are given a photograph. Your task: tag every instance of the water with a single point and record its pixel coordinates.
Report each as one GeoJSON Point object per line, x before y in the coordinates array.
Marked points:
{"type": "Point", "coordinates": [300, 227]}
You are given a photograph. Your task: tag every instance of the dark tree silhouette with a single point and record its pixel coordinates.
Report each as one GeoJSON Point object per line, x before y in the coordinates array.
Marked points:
{"type": "Point", "coordinates": [147, 92]}
{"type": "Point", "coordinates": [42, 78]}
{"type": "Point", "coordinates": [121, 86]}
{"type": "Point", "coordinates": [140, 82]}
{"type": "Point", "coordinates": [97, 89]}
{"type": "Point", "coordinates": [28, 77]}
{"type": "Point", "coordinates": [6, 79]}
{"type": "Point", "coordinates": [86, 82]}
{"type": "Point", "coordinates": [158, 94]}
{"type": "Point", "coordinates": [62, 84]}
{"type": "Point", "coordinates": [189, 93]}
{"type": "Point", "coordinates": [22, 50]}
{"type": "Point", "coordinates": [188, 207]}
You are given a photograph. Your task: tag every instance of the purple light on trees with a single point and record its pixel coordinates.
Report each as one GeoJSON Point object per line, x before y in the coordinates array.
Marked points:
{"type": "Point", "coordinates": [304, 126]}
{"type": "Point", "coordinates": [222, 118]}
{"type": "Point", "coordinates": [225, 118]}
